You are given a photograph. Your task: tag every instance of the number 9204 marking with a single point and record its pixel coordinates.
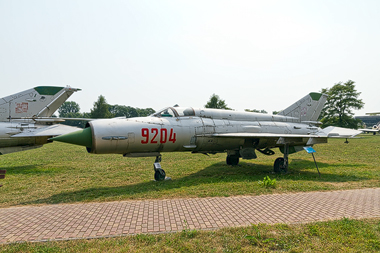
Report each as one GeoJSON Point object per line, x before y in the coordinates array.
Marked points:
{"type": "Point", "coordinates": [156, 135]}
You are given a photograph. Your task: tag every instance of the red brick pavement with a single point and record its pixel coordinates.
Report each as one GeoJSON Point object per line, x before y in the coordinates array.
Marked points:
{"type": "Point", "coordinates": [74, 221]}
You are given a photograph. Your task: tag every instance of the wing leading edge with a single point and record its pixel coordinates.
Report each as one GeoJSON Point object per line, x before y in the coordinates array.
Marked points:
{"type": "Point", "coordinates": [328, 132]}
{"type": "Point", "coordinates": [261, 135]}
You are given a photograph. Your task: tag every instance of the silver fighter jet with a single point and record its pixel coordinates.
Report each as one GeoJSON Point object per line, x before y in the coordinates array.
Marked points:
{"type": "Point", "coordinates": [210, 131]}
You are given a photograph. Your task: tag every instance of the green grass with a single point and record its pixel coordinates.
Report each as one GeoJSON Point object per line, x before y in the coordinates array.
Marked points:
{"type": "Point", "coordinates": [345, 235]}
{"type": "Point", "coordinates": [62, 173]}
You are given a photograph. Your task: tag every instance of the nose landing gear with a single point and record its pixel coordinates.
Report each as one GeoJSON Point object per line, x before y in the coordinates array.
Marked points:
{"type": "Point", "coordinates": [159, 173]}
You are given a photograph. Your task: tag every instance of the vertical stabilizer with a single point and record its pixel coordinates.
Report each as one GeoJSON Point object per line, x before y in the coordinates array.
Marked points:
{"type": "Point", "coordinates": [41, 101]}
{"type": "Point", "coordinates": [307, 108]}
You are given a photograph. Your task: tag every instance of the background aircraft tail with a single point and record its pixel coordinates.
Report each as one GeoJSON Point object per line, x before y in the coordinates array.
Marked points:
{"type": "Point", "coordinates": [307, 108]}
{"type": "Point", "coordinates": [41, 101]}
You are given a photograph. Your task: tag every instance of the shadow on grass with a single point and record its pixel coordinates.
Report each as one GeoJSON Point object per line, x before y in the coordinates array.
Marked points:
{"type": "Point", "coordinates": [28, 169]}
{"type": "Point", "coordinates": [214, 174]}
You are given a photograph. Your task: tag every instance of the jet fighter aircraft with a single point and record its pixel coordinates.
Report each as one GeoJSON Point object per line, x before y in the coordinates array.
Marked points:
{"type": "Point", "coordinates": [210, 131]}
{"type": "Point", "coordinates": [373, 130]}
{"type": "Point", "coordinates": [25, 118]}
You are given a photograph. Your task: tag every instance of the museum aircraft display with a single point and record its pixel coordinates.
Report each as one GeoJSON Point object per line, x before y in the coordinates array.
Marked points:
{"type": "Point", "coordinates": [210, 131]}
{"type": "Point", "coordinates": [373, 130]}
{"type": "Point", "coordinates": [25, 118]}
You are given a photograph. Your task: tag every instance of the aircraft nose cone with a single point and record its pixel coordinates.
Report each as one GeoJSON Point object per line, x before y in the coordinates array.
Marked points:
{"type": "Point", "coordinates": [81, 137]}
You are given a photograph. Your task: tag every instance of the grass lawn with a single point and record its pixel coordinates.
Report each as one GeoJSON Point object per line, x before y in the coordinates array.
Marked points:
{"type": "Point", "coordinates": [343, 235]}
{"type": "Point", "coordinates": [63, 173]}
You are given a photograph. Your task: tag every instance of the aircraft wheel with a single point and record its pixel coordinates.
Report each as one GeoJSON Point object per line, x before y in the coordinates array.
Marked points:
{"type": "Point", "coordinates": [279, 166]}
{"type": "Point", "coordinates": [159, 175]}
{"type": "Point", "coordinates": [232, 160]}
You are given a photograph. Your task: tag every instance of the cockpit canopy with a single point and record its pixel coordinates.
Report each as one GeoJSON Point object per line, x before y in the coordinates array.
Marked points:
{"type": "Point", "coordinates": [175, 112]}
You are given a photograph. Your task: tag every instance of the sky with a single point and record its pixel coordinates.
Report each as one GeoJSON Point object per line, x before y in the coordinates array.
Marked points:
{"type": "Point", "coordinates": [262, 55]}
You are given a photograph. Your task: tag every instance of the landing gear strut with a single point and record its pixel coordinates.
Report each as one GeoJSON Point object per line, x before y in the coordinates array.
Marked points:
{"type": "Point", "coordinates": [281, 164]}
{"type": "Point", "coordinates": [159, 174]}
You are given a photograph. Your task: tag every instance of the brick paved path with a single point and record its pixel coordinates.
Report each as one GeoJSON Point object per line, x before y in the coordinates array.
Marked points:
{"type": "Point", "coordinates": [69, 221]}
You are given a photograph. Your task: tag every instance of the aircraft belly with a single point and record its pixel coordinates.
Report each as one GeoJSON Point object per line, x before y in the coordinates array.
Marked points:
{"type": "Point", "coordinates": [218, 144]}
{"type": "Point", "coordinates": [10, 142]}
{"type": "Point", "coordinates": [8, 150]}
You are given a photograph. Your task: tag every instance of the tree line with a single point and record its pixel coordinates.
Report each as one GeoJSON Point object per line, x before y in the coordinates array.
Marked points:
{"type": "Point", "coordinates": [101, 109]}
{"type": "Point", "coordinates": [342, 99]}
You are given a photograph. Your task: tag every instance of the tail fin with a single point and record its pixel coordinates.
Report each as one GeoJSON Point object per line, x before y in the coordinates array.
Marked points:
{"type": "Point", "coordinates": [41, 101]}
{"type": "Point", "coordinates": [307, 108]}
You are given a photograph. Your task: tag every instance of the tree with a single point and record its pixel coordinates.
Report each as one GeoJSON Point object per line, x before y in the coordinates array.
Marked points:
{"type": "Point", "coordinates": [101, 109]}
{"type": "Point", "coordinates": [68, 108]}
{"type": "Point", "coordinates": [144, 112]}
{"type": "Point", "coordinates": [342, 99]}
{"type": "Point", "coordinates": [129, 112]}
{"type": "Point", "coordinates": [122, 110]}
{"type": "Point", "coordinates": [71, 109]}
{"type": "Point", "coordinates": [217, 103]}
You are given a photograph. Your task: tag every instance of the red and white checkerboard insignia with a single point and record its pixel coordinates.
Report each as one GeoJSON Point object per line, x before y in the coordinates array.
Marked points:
{"type": "Point", "coordinates": [21, 107]}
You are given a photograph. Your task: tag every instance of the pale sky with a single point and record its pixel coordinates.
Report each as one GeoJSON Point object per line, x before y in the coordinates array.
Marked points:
{"type": "Point", "coordinates": [253, 54]}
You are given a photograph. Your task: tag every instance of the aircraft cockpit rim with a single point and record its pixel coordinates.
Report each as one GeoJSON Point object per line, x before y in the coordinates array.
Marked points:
{"type": "Point", "coordinates": [175, 112]}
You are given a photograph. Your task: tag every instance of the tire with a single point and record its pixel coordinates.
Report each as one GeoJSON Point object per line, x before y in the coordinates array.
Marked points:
{"type": "Point", "coordinates": [232, 160]}
{"type": "Point", "coordinates": [278, 165]}
{"type": "Point", "coordinates": [159, 175]}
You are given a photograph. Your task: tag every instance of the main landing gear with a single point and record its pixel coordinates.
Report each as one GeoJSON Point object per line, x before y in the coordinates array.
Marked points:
{"type": "Point", "coordinates": [159, 173]}
{"type": "Point", "coordinates": [232, 160]}
{"type": "Point", "coordinates": [281, 164]}
{"type": "Point", "coordinates": [2, 175]}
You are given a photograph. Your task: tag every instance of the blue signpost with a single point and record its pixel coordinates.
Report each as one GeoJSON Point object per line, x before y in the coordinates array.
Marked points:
{"type": "Point", "coordinates": [311, 151]}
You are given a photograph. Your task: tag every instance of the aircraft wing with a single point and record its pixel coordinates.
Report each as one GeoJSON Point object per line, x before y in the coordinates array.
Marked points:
{"type": "Point", "coordinates": [51, 119]}
{"type": "Point", "coordinates": [263, 135]}
{"type": "Point", "coordinates": [53, 130]}
{"type": "Point", "coordinates": [369, 130]}
{"type": "Point", "coordinates": [328, 132]}
{"type": "Point", "coordinates": [280, 138]}
{"type": "Point", "coordinates": [340, 132]}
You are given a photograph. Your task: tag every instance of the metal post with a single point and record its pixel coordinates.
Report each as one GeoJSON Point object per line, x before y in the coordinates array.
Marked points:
{"type": "Point", "coordinates": [316, 165]}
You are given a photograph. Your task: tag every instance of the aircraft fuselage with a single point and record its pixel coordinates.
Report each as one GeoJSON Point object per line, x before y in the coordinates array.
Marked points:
{"type": "Point", "coordinates": [209, 131]}
{"type": "Point", "coordinates": [148, 136]}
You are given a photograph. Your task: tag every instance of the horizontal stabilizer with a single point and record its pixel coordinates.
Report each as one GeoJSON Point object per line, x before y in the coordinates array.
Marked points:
{"type": "Point", "coordinates": [53, 130]}
{"type": "Point", "coordinates": [51, 119]}
{"type": "Point", "coordinates": [340, 132]}
{"type": "Point", "coordinates": [369, 130]}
